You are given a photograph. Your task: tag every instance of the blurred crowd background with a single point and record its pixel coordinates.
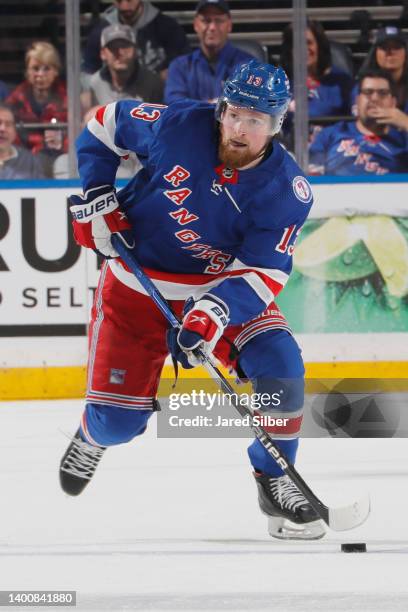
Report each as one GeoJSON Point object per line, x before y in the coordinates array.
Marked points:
{"type": "Point", "coordinates": [164, 51]}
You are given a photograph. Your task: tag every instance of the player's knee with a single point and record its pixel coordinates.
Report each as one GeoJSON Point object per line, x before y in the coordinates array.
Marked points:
{"type": "Point", "coordinates": [109, 425]}
{"type": "Point", "coordinates": [272, 353]}
{"type": "Point", "coordinates": [273, 362]}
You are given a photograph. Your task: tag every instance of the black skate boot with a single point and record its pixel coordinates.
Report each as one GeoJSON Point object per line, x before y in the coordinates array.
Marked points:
{"type": "Point", "coordinates": [78, 465]}
{"type": "Point", "coordinates": [290, 516]}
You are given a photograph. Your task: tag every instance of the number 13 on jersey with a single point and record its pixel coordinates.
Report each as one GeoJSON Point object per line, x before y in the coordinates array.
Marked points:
{"type": "Point", "coordinates": [288, 232]}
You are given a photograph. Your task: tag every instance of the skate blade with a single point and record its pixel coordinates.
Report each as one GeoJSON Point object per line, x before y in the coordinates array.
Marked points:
{"type": "Point", "coordinates": [283, 529]}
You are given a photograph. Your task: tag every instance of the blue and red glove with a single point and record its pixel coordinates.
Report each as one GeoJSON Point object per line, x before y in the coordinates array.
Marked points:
{"type": "Point", "coordinates": [203, 324]}
{"type": "Point", "coordinates": [97, 216]}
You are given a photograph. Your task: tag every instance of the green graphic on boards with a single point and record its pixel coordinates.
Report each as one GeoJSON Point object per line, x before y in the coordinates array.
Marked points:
{"type": "Point", "coordinates": [350, 275]}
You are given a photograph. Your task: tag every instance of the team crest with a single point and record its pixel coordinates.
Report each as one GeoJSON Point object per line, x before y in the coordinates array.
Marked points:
{"type": "Point", "coordinates": [228, 173]}
{"type": "Point", "coordinates": [117, 377]}
{"type": "Point", "coordinates": [302, 189]}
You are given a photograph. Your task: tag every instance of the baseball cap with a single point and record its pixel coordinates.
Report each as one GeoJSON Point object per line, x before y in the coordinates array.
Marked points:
{"type": "Point", "coordinates": [117, 32]}
{"type": "Point", "coordinates": [389, 33]}
{"type": "Point", "coordinates": [220, 4]}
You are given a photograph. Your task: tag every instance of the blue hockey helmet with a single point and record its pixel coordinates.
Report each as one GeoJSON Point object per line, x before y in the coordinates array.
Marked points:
{"type": "Point", "coordinates": [260, 87]}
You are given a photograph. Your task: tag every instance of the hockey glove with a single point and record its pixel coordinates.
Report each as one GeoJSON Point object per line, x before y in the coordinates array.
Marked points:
{"type": "Point", "coordinates": [96, 217]}
{"type": "Point", "coordinates": [203, 325]}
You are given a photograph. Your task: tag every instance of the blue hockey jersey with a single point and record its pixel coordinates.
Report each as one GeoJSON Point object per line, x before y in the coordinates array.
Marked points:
{"type": "Point", "coordinates": [198, 226]}
{"type": "Point", "coordinates": [342, 149]}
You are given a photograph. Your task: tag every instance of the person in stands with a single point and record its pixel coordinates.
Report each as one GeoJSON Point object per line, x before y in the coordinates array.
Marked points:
{"type": "Point", "coordinates": [15, 162]}
{"type": "Point", "coordinates": [201, 75]}
{"type": "Point", "coordinates": [122, 75]}
{"type": "Point", "coordinates": [369, 145]}
{"type": "Point", "coordinates": [390, 52]}
{"type": "Point", "coordinates": [41, 98]}
{"type": "Point", "coordinates": [160, 38]}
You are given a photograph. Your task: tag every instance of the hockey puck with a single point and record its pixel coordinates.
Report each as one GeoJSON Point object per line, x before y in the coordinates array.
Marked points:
{"type": "Point", "coordinates": [354, 547]}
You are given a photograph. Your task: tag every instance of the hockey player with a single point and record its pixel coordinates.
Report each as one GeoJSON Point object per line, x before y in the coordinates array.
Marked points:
{"type": "Point", "coordinates": [213, 216]}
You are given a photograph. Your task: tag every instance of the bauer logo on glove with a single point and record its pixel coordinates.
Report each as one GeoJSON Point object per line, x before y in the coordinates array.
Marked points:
{"type": "Point", "coordinates": [96, 217]}
{"type": "Point", "coordinates": [85, 212]}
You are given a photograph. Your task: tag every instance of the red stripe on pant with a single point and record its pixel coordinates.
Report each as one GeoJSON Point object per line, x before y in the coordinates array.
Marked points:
{"type": "Point", "coordinates": [285, 426]}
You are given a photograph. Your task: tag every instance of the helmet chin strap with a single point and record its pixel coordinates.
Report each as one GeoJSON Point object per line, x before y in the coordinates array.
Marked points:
{"type": "Point", "coordinates": [263, 154]}
{"type": "Point", "coordinates": [267, 150]}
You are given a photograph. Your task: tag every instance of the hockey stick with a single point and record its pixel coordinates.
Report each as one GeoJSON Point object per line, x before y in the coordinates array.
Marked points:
{"type": "Point", "coordinates": [338, 519]}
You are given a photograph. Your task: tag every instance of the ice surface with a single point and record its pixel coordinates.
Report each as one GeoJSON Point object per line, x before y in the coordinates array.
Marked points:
{"type": "Point", "coordinates": [173, 524]}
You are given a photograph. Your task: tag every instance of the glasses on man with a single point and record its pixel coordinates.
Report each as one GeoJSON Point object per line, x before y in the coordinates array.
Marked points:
{"type": "Point", "coordinates": [381, 93]}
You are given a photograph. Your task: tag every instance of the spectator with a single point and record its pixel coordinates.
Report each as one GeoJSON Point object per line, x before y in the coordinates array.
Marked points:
{"type": "Point", "coordinates": [41, 98]}
{"type": "Point", "coordinates": [15, 162]}
{"type": "Point", "coordinates": [4, 90]}
{"type": "Point", "coordinates": [129, 165]}
{"type": "Point", "coordinates": [390, 52]}
{"type": "Point", "coordinates": [122, 76]}
{"type": "Point", "coordinates": [159, 37]}
{"type": "Point", "coordinates": [200, 75]}
{"type": "Point", "coordinates": [369, 144]}
{"type": "Point", "coordinates": [328, 86]}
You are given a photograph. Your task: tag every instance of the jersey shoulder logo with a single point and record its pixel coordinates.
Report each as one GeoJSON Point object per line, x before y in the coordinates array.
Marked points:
{"type": "Point", "coordinates": [302, 189]}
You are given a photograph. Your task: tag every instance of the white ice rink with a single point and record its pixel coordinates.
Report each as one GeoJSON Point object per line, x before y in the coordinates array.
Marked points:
{"type": "Point", "coordinates": [173, 524]}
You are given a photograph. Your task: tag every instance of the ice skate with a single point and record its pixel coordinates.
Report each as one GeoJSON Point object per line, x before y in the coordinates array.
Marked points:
{"type": "Point", "coordinates": [290, 516]}
{"type": "Point", "coordinates": [78, 465]}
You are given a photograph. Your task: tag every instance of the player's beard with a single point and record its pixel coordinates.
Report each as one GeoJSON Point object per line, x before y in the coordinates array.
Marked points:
{"type": "Point", "coordinates": [235, 158]}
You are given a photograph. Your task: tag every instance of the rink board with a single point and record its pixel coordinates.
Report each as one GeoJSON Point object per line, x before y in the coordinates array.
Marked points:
{"type": "Point", "coordinates": [70, 382]}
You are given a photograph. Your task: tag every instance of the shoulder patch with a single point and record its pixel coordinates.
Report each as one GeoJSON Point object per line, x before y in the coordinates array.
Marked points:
{"type": "Point", "coordinates": [302, 189]}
